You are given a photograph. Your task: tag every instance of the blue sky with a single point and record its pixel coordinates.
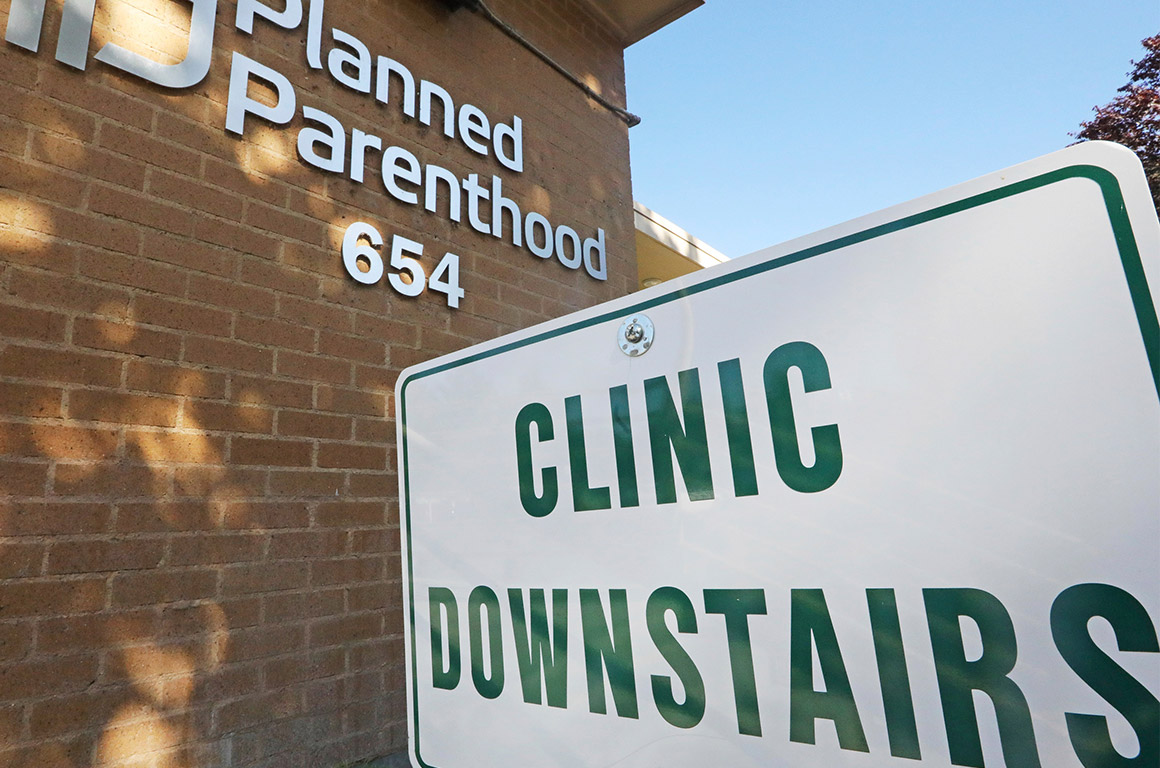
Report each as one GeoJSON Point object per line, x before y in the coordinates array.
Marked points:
{"type": "Point", "coordinates": [768, 120]}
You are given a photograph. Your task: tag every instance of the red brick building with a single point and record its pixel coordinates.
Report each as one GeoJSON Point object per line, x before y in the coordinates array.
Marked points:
{"type": "Point", "coordinates": [198, 493]}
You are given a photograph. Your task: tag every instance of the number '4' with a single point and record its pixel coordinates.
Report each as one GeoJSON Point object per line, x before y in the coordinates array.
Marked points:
{"type": "Point", "coordinates": [445, 279]}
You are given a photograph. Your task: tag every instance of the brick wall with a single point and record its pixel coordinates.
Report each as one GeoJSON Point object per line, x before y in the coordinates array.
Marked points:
{"type": "Point", "coordinates": [198, 497]}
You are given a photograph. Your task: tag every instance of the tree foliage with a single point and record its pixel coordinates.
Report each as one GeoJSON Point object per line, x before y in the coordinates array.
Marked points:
{"type": "Point", "coordinates": [1133, 117]}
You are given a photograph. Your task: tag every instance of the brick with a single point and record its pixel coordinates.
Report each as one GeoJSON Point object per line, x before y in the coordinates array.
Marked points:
{"type": "Point", "coordinates": [42, 182]}
{"type": "Point", "coordinates": [268, 391]}
{"type": "Point", "coordinates": [30, 400]}
{"type": "Point", "coordinates": [301, 606]}
{"type": "Point", "coordinates": [229, 355]}
{"type": "Point", "coordinates": [218, 483]}
{"type": "Point", "coordinates": [217, 685]}
{"type": "Point", "coordinates": [280, 673]}
{"type": "Point", "coordinates": [46, 252]}
{"type": "Point", "coordinates": [31, 679]}
{"type": "Point", "coordinates": [54, 597]}
{"type": "Point", "coordinates": [349, 456]}
{"type": "Point", "coordinates": [279, 277]}
{"type": "Point", "coordinates": [27, 323]}
{"type": "Point", "coordinates": [108, 479]}
{"type": "Point", "coordinates": [235, 237]}
{"type": "Point", "coordinates": [313, 367]}
{"type": "Point", "coordinates": [23, 478]}
{"type": "Point", "coordinates": [92, 631]}
{"type": "Point", "coordinates": [192, 194]}
{"type": "Point", "coordinates": [229, 176]}
{"type": "Point", "coordinates": [133, 339]}
{"type": "Point", "coordinates": [392, 331]}
{"type": "Point", "coordinates": [58, 292]}
{"type": "Point", "coordinates": [68, 752]}
{"type": "Point", "coordinates": [318, 314]}
{"type": "Point", "coordinates": [345, 630]}
{"type": "Point", "coordinates": [149, 376]}
{"type": "Point", "coordinates": [266, 641]}
{"type": "Point", "coordinates": [307, 482]}
{"type": "Point", "coordinates": [319, 425]}
{"type": "Point", "coordinates": [40, 518]}
{"type": "Point", "coordinates": [353, 348]}
{"type": "Point", "coordinates": [59, 365]}
{"type": "Point", "coordinates": [184, 252]}
{"type": "Point", "coordinates": [57, 441]}
{"type": "Point", "coordinates": [284, 224]}
{"type": "Point", "coordinates": [264, 577]}
{"type": "Point", "coordinates": [345, 571]}
{"type": "Point", "coordinates": [83, 93]}
{"type": "Point", "coordinates": [146, 274]}
{"type": "Point", "coordinates": [148, 149]}
{"type": "Point", "coordinates": [15, 643]}
{"type": "Point", "coordinates": [162, 587]}
{"type": "Point", "coordinates": [274, 333]}
{"type": "Point", "coordinates": [369, 597]}
{"type": "Point", "coordinates": [343, 400]}
{"type": "Point", "coordinates": [405, 357]}
{"type": "Point", "coordinates": [20, 558]}
{"type": "Point", "coordinates": [104, 555]}
{"type": "Point", "coordinates": [306, 544]}
{"type": "Point", "coordinates": [13, 136]}
{"type": "Point", "coordinates": [141, 209]}
{"type": "Point", "coordinates": [182, 316]}
{"type": "Point", "coordinates": [231, 295]}
{"type": "Point", "coordinates": [260, 515]}
{"type": "Point", "coordinates": [104, 232]}
{"type": "Point", "coordinates": [122, 408]}
{"type": "Point", "coordinates": [254, 710]}
{"type": "Point", "coordinates": [160, 517]}
{"type": "Point", "coordinates": [202, 620]}
{"type": "Point", "coordinates": [225, 548]}
{"type": "Point", "coordinates": [55, 117]}
{"type": "Point", "coordinates": [373, 485]}
{"type": "Point", "coordinates": [63, 715]}
{"type": "Point", "coordinates": [171, 446]}
{"type": "Point", "coordinates": [349, 514]}
{"type": "Point", "coordinates": [381, 430]}
{"type": "Point", "coordinates": [270, 452]}
{"type": "Point", "coordinates": [378, 542]}
{"type": "Point", "coordinates": [87, 160]}
{"type": "Point", "coordinates": [228, 417]}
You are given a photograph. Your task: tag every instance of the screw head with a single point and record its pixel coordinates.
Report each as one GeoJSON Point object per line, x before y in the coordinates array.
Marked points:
{"type": "Point", "coordinates": [635, 336]}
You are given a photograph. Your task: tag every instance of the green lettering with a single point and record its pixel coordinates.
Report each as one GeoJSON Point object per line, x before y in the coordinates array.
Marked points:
{"type": "Point", "coordinates": [612, 653]}
{"type": "Point", "coordinates": [535, 505]}
{"type": "Point", "coordinates": [542, 655]}
{"type": "Point", "coordinates": [666, 437]}
{"type": "Point", "coordinates": [622, 442]}
{"type": "Point", "coordinates": [584, 498]}
{"type": "Point", "coordinates": [1135, 632]}
{"type": "Point", "coordinates": [810, 624]}
{"type": "Point", "coordinates": [897, 702]}
{"type": "Point", "coordinates": [444, 674]}
{"type": "Point", "coordinates": [737, 605]}
{"type": "Point", "coordinates": [737, 428]}
{"type": "Point", "coordinates": [787, 453]}
{"type": "Point", "coordinates": [483, 597]}
{"type": "Point", "coordinates": [660, 602]}
{"type": "Point", "coordinates": [958, 677]}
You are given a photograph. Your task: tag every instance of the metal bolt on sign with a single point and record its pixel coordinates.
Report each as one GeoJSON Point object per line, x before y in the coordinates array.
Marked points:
{"type": "Point", "coordinates": [635, 336]}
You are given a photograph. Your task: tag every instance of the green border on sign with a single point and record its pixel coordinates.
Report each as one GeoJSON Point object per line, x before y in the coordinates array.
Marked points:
{"type": "Point", "coordinates": [1117, 217]}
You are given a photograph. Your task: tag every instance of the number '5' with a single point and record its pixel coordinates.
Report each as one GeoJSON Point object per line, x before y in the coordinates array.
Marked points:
{"type": "Point", "coordinates": [356, 255]}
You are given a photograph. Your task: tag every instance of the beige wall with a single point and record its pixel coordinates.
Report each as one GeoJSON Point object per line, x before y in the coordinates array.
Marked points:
{"type": "Point", "coordinates": [198, 512]}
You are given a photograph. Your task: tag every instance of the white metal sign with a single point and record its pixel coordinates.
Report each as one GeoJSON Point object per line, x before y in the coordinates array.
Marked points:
{"type": "Point", "coordinates": [885, 494]}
